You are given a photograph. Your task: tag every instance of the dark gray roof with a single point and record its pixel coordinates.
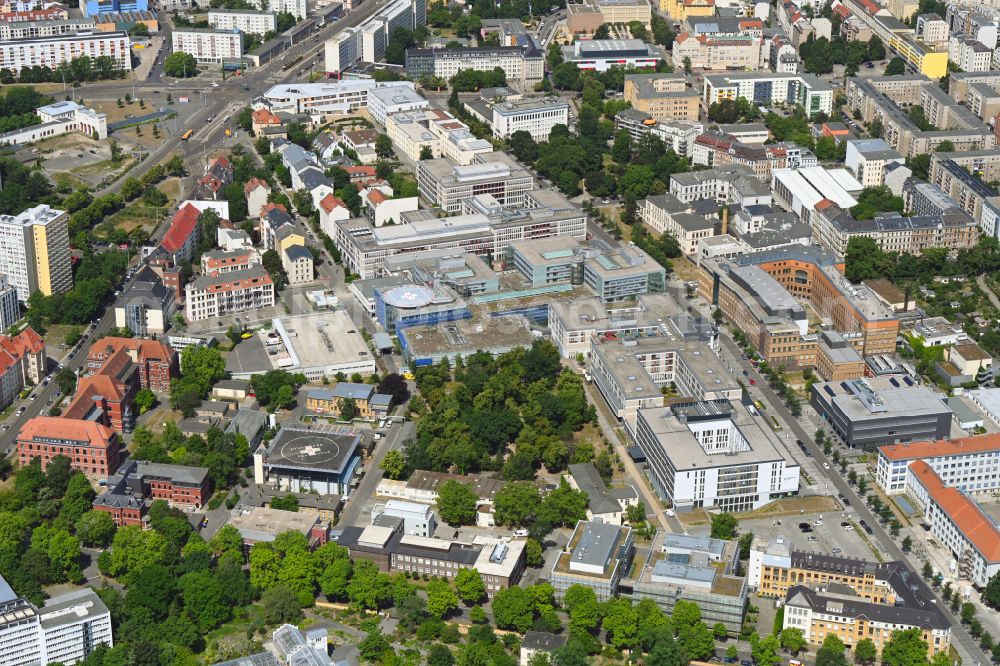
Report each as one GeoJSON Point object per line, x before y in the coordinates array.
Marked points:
{"type": "Point", "coordinates": [298, 252]}
{"type": "Point", "coordinates": [312, 178]}
{"type": "Point", "coordinates": [928, 616]}
{"type": "Point", "coordinates": [589, 481]}
{"type": "Point", "coordinates": [542, 640]}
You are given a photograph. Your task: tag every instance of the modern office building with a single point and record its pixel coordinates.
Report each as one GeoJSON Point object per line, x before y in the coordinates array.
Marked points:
{"type": "Point", "coordinates": [601, 54]}
{"type": "Point", "coordinates": [487, 232]}
{"type": "Point", "coordinates": [873, 412]}
{"type": "Point", "coordinates": [92, 447]}
{"type": "Point", "coordinates": [437, 131]}
{"type": "Point", "coordinates": [714, 454]}
{"type": "Point", "coordinates": [597, 556]}
{"type": "Point", "coordinates": [536, 116]}
{"type": "Point", "coordinates": [244, 20]}
{"type": "Point", "coordinates": [65, 630]}
{"type": "Point", "coordinates": [696, 569]}
{"type": "Point", "coordinates": [523, 66]}
{"type": "Point", "coordinates": [209, 45]}
{"type": "Point", "coordinates": [662, 96]}
{"type": "Point", "coordinates": [613, 273]}
{"type": "Point", "coordinates": [343, 97]}
{"type": "Point", "coordinates": [418, 519]}
{"type": "Point", "coordinates": [146, 307]}
{"type": "Point", "coordinates": [34, 251]}
{"type": "Point", "coordinates": [632, 373]}
{"type": "Point", "coordinates": [759, 294]}
{"type": "Point", "coordinates": [213, 296]}
{"type": "Point", "coordinates": [447, 185]}
{"type": "Point", "coordinates": [771, 89]}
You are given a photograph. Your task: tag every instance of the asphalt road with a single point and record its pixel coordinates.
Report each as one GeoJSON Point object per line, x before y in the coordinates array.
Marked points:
{"type": "Point", "coordinates": [963, 642]}
{"type": "Point", "coordinates": [230, 97]}
{"type": "Point", "coordinates": [394, 439]}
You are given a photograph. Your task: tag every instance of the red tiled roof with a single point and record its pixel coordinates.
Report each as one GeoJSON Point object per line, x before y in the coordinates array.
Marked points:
{"type": "Point", "coordinates": [253, 184]}
{"type": "Point", "coordinates": [681, 38]}
{"type": "Point", "coordinates": [942, 447]}
{"type": "Point", "coordinates": [27, 341]}
{"type": "Point", "coordinates": [181, 227]}
{"type": "Point", "coordinates": [823, 203]}
{"type": "Point", "coordinates": [969, 519]}
{"type": "Point", "coordinates": [375, 197]}
{"type": "Point", "coordinates": [329, 202]}
{"type": "Point", "coordinates": [268, 207]}
{"type": "Point", "coordinates": [221, 161]}
{"type": "Point", "coordinates": [264, 117]}
{"type": "Point", "coordinates": [62, 428]}
{"type": "Point", "coordinates": [145, 350]}
{"type": "Point", "coordinates": [360, 170]}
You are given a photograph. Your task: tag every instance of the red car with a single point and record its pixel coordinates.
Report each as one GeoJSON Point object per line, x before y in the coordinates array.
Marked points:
{"type": "Point", "coordinates": [753, 382]}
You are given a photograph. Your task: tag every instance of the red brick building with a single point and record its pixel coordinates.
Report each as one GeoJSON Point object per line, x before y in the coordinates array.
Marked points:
{"type": "Point", "coordinates": [156, 362]}
{"type": "Point", "coordinates": [92, 447]}
{"type": "Point", "coordinates": [135, 486]}
{"type": "Point", "coordinates": [107, 396]}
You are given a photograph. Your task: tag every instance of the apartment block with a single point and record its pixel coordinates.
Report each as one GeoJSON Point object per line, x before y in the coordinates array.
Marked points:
{"type": "Point", "coordinates": [209, 46]}
{"type": "Point", "coordinates": [731, 184]}
{"type": "Point", "coordinates": [297, 8]}
{"type": "Point", "coordinates": [367, 41]}
{"type": "Point", "coordinates": [523, 66]}
{"type": "Point", "coordinates": [10, 310]}
{"type": "Point", "coordinates": [53, 51]}
{"type": "Point", "coordinates": [969, 54]}
{"type": "Point", "coordinates": [92, 447]}
{"type": "Point", "coordinates": [886, 98]}
{"type": "Point", "coordinates": [44, 28]}
{"type": "Point", "coordinates": [868, 158]}
{"type": "Point", "coordinates": [447, 185]}
{"type": "Point", "coordinates": [721, 52]}
{"type": "Point", "coordinates": [536, 116]}
{"type": "Point", "coordinates": [662, 96]}
{"type": "Point", "coordinates": [714, 454]}
{"type": "Point", "coordinates": [34, 251]}
{"type": "Point", "coordinates": [214, 296]}
{"type": "Point", "coordinates": [770, 89]}
{"type": "Point", "coordinates": [441, 133]}
{"type": "Point", "coordinates": [244, 20]}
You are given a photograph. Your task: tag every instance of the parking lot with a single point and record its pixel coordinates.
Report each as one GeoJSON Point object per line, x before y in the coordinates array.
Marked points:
{"type": "Point", "coordinates": [828, 538]}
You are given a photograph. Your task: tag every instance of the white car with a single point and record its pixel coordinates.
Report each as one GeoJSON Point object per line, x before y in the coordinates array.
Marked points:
{"type": "Point", "coordinates": [670, 512]}
{"type": "Point", "coordinates": [215, 84]}
{"type": "Point", "coordinates": [520, 533]}
{"type": "Point", "coordinates": [817, 523]}
{"type": "Point", "coordinates": [826, 465]}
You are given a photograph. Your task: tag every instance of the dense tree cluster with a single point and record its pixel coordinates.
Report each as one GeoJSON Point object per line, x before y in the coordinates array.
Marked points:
{"type": "Point", "coordinates": [17, 107]}
{"type": "Point", "coordinates": [94, 280]}
{"type": "Point", "coordinates": [23, 188]}
{"type": "Point", "coordinates": [276, 389]}
{"type": "Point", "coordinates": [875, 201]}
{"type": "Point", "coordinates": [471, 80]}
{"type": "Point", "coordinates": [820, 55]}
{"type": "Point", "coordinates": [77, 70]}
{"type": "Point", "coordinates": [224, 454]}
{"type": "Point", "coordinates": [522, 400]}
{"type": "Point", "coordinates": [201, 368]}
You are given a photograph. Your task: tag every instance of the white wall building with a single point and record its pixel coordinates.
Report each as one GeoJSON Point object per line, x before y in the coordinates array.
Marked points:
{"type": "Point", "coordinates": [971, 464]}
{"type": "Point", "coordinates": [210, 296]}
{"type": "Point", "coordinates": [418, 519]}
{"type": "Point", "coordinates": [209, 46]}
{"type": "Point", "coordinates": [868, 158]}
{"type": "Point", "coordinates": [52, 51]}
{"type": "Point", "coordinates": [297, 8]}
{"type": "Point", "coordinates": [10, 311]}
{"type": "Point", "coordinates": [533, 115]}
{"type": "Point", "coordinates": [329, 97]}
{"type": "Point", "coordinates": [244, 20]}
{"type": "Point", "coordinates": [385, 100]}
{"type": "Point", "coordinates": [57, 119]}
{"type": "Point", "coordinates": [34, 251]}
{"type": "Point", "coordinates": [707, 456]}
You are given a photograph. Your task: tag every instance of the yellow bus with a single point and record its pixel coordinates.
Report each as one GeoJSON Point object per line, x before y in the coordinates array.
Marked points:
{"type": "Point", "coordinates": [187, 135]}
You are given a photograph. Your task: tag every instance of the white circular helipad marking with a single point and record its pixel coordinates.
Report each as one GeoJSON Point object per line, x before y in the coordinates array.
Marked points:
{"type": "Point", "coordinates": [310, 449]}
